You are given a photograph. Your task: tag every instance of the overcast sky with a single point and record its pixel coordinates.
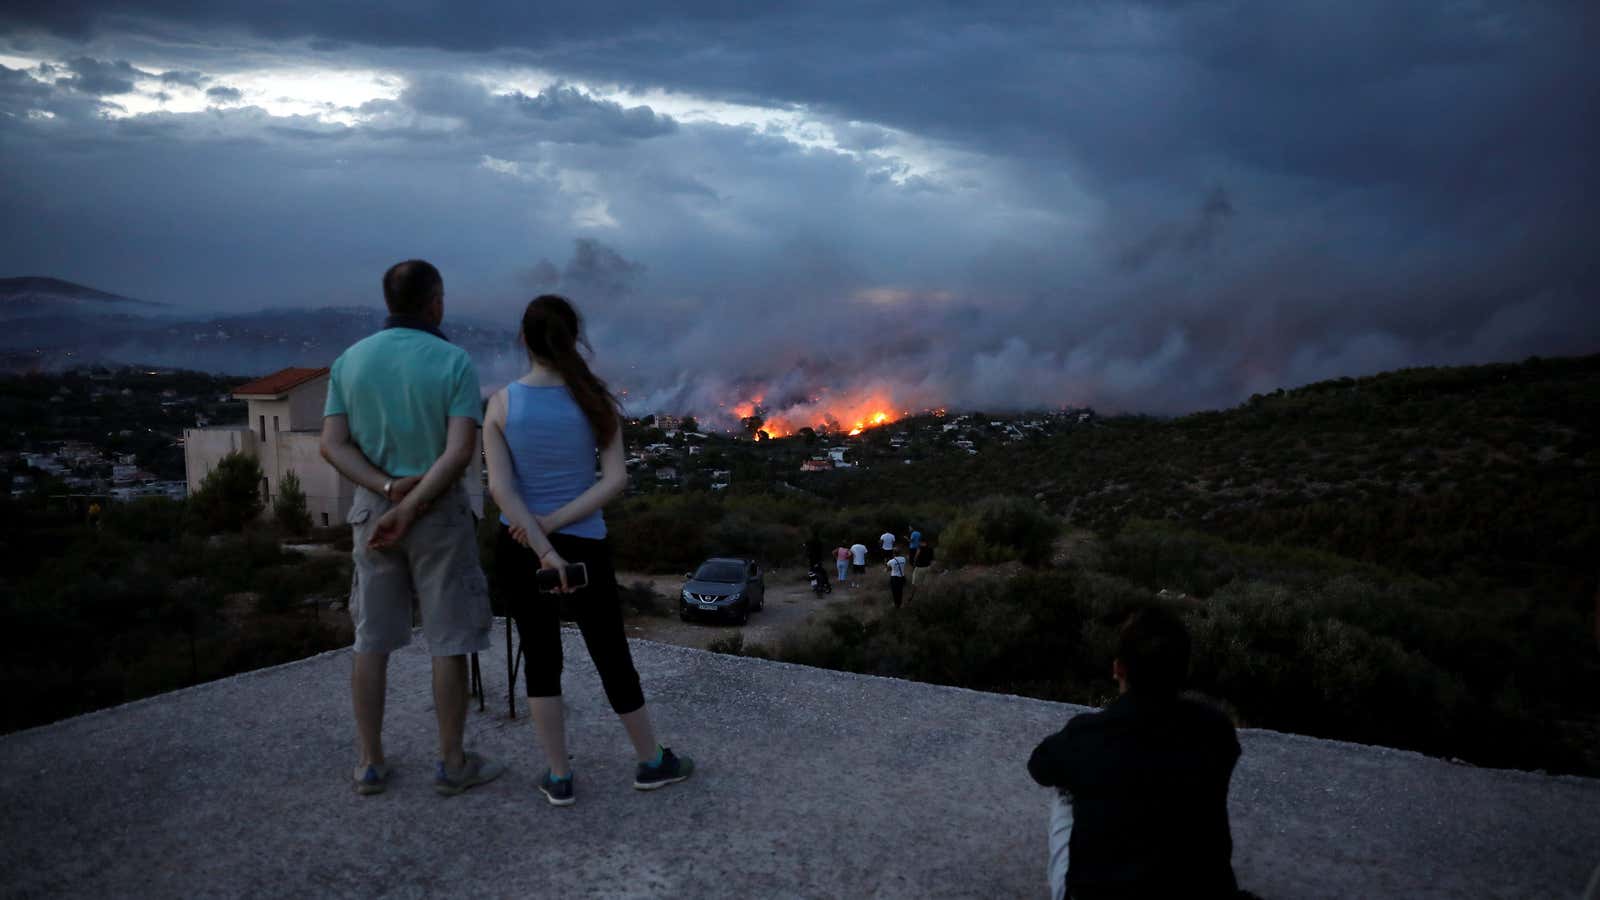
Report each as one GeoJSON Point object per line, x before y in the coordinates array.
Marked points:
{"type": "Point", "coordinates": [1150, 206]}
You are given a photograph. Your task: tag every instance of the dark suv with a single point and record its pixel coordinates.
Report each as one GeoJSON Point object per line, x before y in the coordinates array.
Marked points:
{"type": "Point", "coordinates": [724, 587]}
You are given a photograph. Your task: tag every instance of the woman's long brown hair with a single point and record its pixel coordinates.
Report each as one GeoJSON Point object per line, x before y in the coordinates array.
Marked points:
{"type": "Point", "coordinates": [551, 332]}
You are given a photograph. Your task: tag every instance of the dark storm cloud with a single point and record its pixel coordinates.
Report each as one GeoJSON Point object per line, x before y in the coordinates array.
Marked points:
{"type": "Point", "coordinates": [559, 113]}
{"type": "Point", "coordinates": [1187, 237]}
{"type": "Point", "coordinates": [1152, 205]}
{"type": "Point", "coordinates": [184, 78]}
{"type": "Point", "coordinates": [97, 77]}
{"type": "Point", "coordinates": [224, 94]}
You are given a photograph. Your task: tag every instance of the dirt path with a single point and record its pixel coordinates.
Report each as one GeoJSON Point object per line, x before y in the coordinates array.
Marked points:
{"type": "Point", "coordinates": [790, 603]}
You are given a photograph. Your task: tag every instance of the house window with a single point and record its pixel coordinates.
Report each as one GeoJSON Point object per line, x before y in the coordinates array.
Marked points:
{"type": "Point", "coordinates": [266, 492]}
{"type": "Point", "coordinates": [274, 423]}
{"type": "Point", "coordinates": [324, 520]}
{"type": "Point", "coordinates": [263, 428]}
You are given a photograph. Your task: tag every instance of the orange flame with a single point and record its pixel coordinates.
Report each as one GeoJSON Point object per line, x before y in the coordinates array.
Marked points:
{"type": "Point", "coordinates": [851, 415]}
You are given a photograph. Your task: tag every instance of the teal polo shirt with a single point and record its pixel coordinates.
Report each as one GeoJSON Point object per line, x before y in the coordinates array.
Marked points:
{"type": "Point", "coordinates": [399, 388]}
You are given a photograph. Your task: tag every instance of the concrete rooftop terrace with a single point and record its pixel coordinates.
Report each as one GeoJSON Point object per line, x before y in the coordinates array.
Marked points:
{"type": "Point", "coordinates": [810, 784]}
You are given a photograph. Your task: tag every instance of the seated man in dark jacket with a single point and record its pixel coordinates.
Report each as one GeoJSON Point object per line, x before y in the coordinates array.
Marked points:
{"type": "Point", "coordinates": [1147, 778]}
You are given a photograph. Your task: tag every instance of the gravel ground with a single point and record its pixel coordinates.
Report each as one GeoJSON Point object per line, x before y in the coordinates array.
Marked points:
{"type": "Point", "coordinates": [811, 784]}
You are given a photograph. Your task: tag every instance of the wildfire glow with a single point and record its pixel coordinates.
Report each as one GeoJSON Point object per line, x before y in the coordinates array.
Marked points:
{"type": "Point", "coordinates": [823, 413]}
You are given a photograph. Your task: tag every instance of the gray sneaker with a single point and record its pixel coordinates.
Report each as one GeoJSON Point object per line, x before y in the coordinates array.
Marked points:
{"type": "Point", "coordinates": [475, 771]}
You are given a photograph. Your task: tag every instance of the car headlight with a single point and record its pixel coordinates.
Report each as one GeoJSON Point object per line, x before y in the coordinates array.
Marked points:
{"type": "Point", "coordinates": [685, 594]}
{"type": "Point", "coordinates": [735, 597]}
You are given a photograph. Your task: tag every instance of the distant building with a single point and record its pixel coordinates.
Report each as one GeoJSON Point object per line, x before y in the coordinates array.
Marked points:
{"type": "Point", "coordinates": [666, 473]}
{"type": "Point", "coordinates": [283, 431]}
{"type": "Point", "coordinates": [816, 465]}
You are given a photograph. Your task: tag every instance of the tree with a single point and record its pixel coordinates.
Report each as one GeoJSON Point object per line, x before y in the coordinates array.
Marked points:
{"type": "Point", "coordinates": [689, 424]}
{"type": "Point", "coordinates": [230, 497]}
{"type": "Point", "coordinates": [290, 509]}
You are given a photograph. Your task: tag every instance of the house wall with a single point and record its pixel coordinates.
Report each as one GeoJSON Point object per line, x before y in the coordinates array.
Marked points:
{"type": "Point", "coordinates": [203, 448]}
{"type": "Point", "coordinates": [306, 403]}
{"type": "Point", "coordinates": [327, 493]}
{"type": "Point", "coordinates": [268, 408]}
{"type": "Point", "coordinates": [267, 452]}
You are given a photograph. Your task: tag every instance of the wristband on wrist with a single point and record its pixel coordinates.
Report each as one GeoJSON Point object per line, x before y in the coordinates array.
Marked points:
{"type": "Point", "coordinates": [388, 489]}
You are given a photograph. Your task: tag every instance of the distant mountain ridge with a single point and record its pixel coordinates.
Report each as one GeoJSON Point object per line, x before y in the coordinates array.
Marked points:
{"type": "Point", "coordinates": [50, 324]}
{"type": "Point", "coordinates": [39, 289]}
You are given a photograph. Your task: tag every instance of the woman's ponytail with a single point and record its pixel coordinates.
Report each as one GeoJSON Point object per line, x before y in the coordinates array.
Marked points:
{"type": "Point", "coordinates": [551, 332]}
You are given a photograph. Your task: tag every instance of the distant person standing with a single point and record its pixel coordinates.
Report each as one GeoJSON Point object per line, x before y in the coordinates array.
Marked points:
{"type": "Point", "coordinates": [1142, 803]}
{"type": "Point", "coordinates": [401, 422]}
{"type": "Point", "coordinates": [886, 544]}
{"type": "Point", "coordinates": [897, 575]}
{"type": "Point", "coordinates": [914, 543]}
{"type": "Point", "coordinates": [858, 562]}
{"type": "Point", "coordinates": [921, 567]}
{"type": "Point", "coordinates": [841, 558]}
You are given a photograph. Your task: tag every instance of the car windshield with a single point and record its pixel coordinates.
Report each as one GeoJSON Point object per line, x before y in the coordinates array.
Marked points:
{"type": "Point", "coordinates": [724, 572]}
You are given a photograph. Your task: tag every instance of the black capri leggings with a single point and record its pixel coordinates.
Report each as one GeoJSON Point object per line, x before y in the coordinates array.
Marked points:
{"type": "Point", "coordinates": [597, 608]}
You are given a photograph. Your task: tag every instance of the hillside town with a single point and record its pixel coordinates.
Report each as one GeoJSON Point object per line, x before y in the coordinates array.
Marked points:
{"type": "Point", "coordinates": [668, 453]}
{"type": "Point", "coordinates": [120, 434]}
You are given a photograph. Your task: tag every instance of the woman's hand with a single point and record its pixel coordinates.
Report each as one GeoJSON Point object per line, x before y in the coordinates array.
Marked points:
{"type": "Point", "coordinates": [550, 559]}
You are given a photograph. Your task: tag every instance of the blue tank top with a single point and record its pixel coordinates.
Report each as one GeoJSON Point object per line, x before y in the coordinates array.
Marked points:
{"type": "Point", "coordinates": [552, 452]}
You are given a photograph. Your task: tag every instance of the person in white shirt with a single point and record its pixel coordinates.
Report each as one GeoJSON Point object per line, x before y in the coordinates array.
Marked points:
{"type": "Point", "coordinates": [858, 560]}
{"type": "Point", "coordinates": [897, 574]}
{"type": "Point", "coordinates": [886, 542]}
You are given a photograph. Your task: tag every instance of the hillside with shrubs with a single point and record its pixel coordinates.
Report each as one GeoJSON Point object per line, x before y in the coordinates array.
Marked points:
{"type": "Point", "coordinates": [1407, 559]}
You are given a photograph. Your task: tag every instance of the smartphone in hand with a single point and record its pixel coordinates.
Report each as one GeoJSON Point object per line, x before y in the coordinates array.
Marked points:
{"type": "Point", "coordinates": [550, 579]}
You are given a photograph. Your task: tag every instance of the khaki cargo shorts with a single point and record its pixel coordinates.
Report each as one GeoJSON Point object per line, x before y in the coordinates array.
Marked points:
{"type": "Point", "coordinates": [436, 563]}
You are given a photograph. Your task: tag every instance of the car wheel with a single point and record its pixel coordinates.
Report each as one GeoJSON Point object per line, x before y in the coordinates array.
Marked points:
{"type": "Point", "coordinates": [744, 615]}
{"type": "Point", "coordinates": [683, 614]}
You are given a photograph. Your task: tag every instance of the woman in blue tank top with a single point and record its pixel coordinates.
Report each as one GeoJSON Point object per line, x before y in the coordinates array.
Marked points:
{"type": "Point", "coordinates": [542, 434]}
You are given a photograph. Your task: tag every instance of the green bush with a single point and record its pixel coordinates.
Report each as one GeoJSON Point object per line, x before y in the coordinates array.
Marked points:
{"type": "Point", "coordinates": [229, 497]}
{"type": "Point", "coordinates": [734, 645]}
{"type": "Point", "coordinates": [643, 600]}
{"type": "Point", "coordinates": [290, 507]}
{"type": "Point", "coordinates": [999, 529]}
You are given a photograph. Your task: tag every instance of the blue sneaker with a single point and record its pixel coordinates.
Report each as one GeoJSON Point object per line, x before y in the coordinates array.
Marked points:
{"type": "Point", "coordinates": [557, 790]}
{"type": "Point", "coordinates": [371, 779]}
{"type": "Point", "coordinates": [670, 770]}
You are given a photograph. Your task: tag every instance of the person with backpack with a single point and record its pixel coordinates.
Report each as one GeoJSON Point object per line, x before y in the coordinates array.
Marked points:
{"type": "Point", "coordinates": [897, 565]}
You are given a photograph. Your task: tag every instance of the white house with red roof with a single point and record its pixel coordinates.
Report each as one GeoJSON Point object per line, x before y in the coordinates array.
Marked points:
{"type": "Point", "coordinates": [283, 431]}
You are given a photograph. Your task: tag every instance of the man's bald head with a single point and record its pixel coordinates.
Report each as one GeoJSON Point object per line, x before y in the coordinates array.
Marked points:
{"type": "Point", "coordinates": [410, 287]}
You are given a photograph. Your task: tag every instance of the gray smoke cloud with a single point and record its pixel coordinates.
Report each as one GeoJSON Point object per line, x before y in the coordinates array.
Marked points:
{"type": "Point", "coordinates": [1157, 207]}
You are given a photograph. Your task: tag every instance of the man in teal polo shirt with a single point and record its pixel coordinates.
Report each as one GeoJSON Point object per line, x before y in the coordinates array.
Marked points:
{"type": "Point", "coordinates": [401, 423]}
